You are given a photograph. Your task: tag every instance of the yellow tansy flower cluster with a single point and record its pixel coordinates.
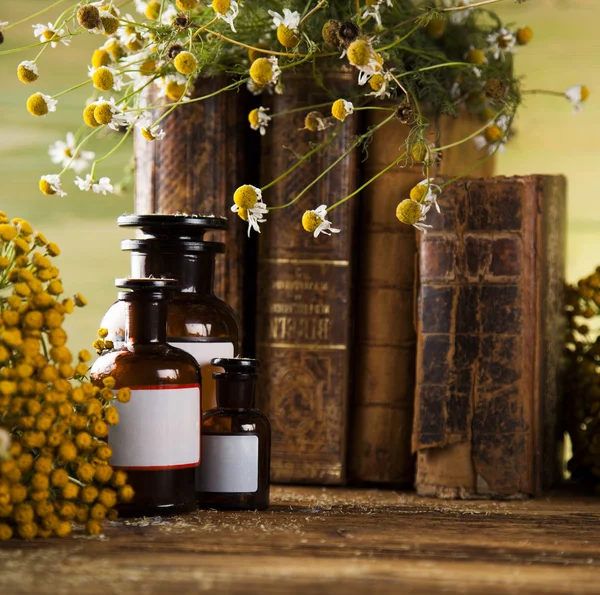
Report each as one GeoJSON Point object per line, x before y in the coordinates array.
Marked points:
{"type": "Point", "coordinates": [55, 469]}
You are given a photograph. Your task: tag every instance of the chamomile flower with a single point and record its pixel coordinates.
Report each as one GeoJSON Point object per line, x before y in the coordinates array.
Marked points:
{"type": "Point", "coordinates": [458, 16]}
{"type": "Point", "coordinates": [173, 87]}
{"type": "Point", "coordinates": [51, 185]}
{"type": "Point", "coordinates": [501, 42]}
{"type": "Point", "coordinates": [47, 33]}
{"type": "Point", "coordinates": [494, 137]}
{"type": "Point", "coordinates": [259, 119]}
{"type": "Point", "coordinates": [364, 58]}
{"type": "Point", "coordinates": [108, 113]}
{"type": "Point", "coordinates": [411, 212]}
{"type": "Point", "coordinates": [249, 206]}
{"type": "Point", "coordinates": [287, 27]}
{"type": "Point", "coordinates": [379, 83]}
{"type": "Point", "coordinates": [316, 222]}
{"type": "Point", "coordinates": [168, 15]}
{"type": "Point", "coordinates": [316, 122]}
{"type": "Point", "coordinates": [27, 72]}
{"type": "Point", "coordinates": [102, 186]}
{"type": "Point", "coordinates": [426, 193]}
{"type": "Point", "coordinates": [149, 132]}
{"type": "Point", "coordinates": [105, 78]}
{"type": "Point", "coordinates": [577, 95]}
{"type": "Point", "coordinates": [265, 71]}
{"type": "Point", "coordinates": [65, 153]}
{"type": "Point", "coordinates": [341, 109]}
{"type": "Point", "coordinates": [39, 104]}
{"type": "Point", "coordinates": [373, 9]}
{"type": "Point", "coordinates": [226, 10]}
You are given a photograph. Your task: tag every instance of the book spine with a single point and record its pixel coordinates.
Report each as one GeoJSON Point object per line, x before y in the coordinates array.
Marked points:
{"type": "Point", "coordinates": [206, 154]}
{"type": "Point", "coordinates": [485, 407]}
{"type": "Point", "coordinates": [304, 315]}
{"type": "Point", "coordinates": [382, 415]}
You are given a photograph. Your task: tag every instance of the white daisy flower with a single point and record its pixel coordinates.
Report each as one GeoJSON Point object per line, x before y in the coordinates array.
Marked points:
{"type": "Point", "coordinates": [54, 183]}
{"type": "Point", "coordinates": [118, 82]}
{"type": "Point", "coordinates": [3, 25]}
{"type": "Point", "coordinates": [458, 16]}
{"type": "Point", "coordinates": [428, 192]}
{"type": "Point", "coordinates": [66, 154]}
{"type": "Point", "coordinates": [256, 215]}
{"type": "Point", "coordinates": [249, 205]}
{"type": "Point", "coordinates": [226, 10]}
{"type": "Point", "coordinates": [118, 116]}
{"type": "Point", "coordinates": [380, 85]}
{"type": "Point", "coordinates": [46, 33]}
{"type": "Point", "coordinates": [494, 137]}
{"type": "Point", "coordinates": [103, 186]}
{"type": "Point", "coordinates": [147, 131]}
{"type": "Point", "coordinates": [4, 434]}
{"type": "Point", "coordinates": [290, 19]}
{"type": "Point", "coordinates": [319, 214]}
{"type": "Point", "coordinates": [577, 94]}
{"type": "Point", "coordinates": [374, 10]}
{"type": "Point", "coordinates": [169, 13]}
{"type": "Point", "coordinates": [411, 212]}
{"type": "Point", "coordinates": [49, 101]}
{"type": "Point", "coordinates": [259, 119]}
{"type": "Point", "coordinates": [502, 42]}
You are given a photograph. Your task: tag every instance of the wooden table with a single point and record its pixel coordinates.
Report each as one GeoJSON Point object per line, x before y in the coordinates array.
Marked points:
{"type": "Point", "coordinates": [317, 540]}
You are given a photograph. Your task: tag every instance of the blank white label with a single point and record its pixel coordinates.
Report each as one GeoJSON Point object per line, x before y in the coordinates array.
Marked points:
{"type": "Point", "coordinates": [159, 428]}
{"type": "Point", "coordinates": [229, 464]}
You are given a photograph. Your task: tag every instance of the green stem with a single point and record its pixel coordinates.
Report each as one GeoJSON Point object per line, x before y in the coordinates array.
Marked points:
{"type": "Point", "coordinates": [36, 14]}
{"type": "Point", "coordinates": [370, 181]}
{"type": "Point", "coordinates": [543, 92]}
{"type": "Point", "coordinates": [72, 88]}
{"type": "Point", "coordinates": [469, 6]}
{"type": "Point", "coordinates": [174, 106]}
{"type": "Point", "coordinates": [111, 152]}
{"type": "Point", "coordinates": [302, 160]}
{"type": "Point", "coordinates": [434, 67]}
{"type": "Point", "coordinates": [467, 138]}
{"type": "Point", "coordinates": [397, 41]}
{"type": "Point", "coordinates": [302, 109]}
{"type": "Point", "coordinates": [77, 149]}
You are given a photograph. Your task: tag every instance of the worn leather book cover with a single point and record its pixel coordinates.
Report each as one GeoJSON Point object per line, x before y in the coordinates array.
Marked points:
{"type": "Point", "coordinates": [490, 336]}
{"type": "Point", "coordinates": [304, 318]}
{"type": "Point", "coordinates": [382, 414]}
{"type": "Point", "coordinates": [207, 152]}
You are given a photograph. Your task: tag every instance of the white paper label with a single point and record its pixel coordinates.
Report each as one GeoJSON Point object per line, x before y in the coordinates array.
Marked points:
{"type": "Point", "coordinates": [203, 352]}
{"type": "Point", "coordinates": [159, 428]}
{"type": "Point", "coordinates": [229, 464]}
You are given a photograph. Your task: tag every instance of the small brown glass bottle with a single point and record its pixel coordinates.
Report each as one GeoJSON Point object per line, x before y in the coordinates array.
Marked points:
{"type": "Point", "coordinates": [157, 439]}
{"type": "Point", "coordinates": [236, 442]}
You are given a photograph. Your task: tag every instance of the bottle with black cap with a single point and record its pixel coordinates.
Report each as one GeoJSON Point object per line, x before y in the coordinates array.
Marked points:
{"type": "Point", "coordinates": [236, 442]}
{"type": "Point", "coordinates": [157, 439]}
{"type": "Point", "coordinates": [198, 321]}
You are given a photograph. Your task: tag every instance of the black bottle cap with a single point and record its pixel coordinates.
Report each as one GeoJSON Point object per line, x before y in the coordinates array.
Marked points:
{"type": "Point", "coordinates": [171, 245]}
{"type": "Point", "coordinates": [174, 227]}
{"type": "Point", "coordinates": [235, 366]}
{"type": "Point", "coordinates": [151, 287]}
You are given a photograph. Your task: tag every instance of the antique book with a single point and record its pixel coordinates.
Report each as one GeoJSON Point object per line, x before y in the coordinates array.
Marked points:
{"type": "Point", "coordinates": [382, 414]}
{"type": "Point", "coordinates": [490, 336]}
{"type": "Point", "coordinates": [304, 315]}
{"type": "Point", "coordinates": [206, 154]}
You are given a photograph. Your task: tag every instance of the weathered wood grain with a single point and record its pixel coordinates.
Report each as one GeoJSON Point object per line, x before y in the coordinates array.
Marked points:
{"type": "Point", "coordinates": [318, 540]}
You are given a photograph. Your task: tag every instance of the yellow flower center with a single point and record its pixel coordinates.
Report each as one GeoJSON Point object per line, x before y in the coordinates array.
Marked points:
{"type": "Point", "coordinates": [36, 105]}
{"type": "Point", "coordinates": [253, 118]}
{"type": "Point", "coordinates": [418, 192]}
{"type": "Point", "coordinates": [103, 113]}
{"type": "Point", "coordinates": [88, 16]}
{"type": "Point", "coordinates": [185, 63]}
{"type": "Point", "coordinates": [359, 52]}
{"type": "Point", "coordinates": [135, 44]}
{"type": "Point", "coordinates": [88, 116]}
{"type": "Point", "coordinates": [152, 10]}
{"type": "Point", "coordinates": [186, 4]}
{"type": "Point", "coordinates": [338, 110]}
{"type": "Point", "coordinates": [436, 28]}
{"type": "Point", "coordinates": [46, 188]}
{"type": "Point", "coordinates": [245, 197]}
{"type": "Point", "coordinates": [243, 214]}
{"type": "Point", "coordinates": [310, 221]}
{"type": "Point", "coordinates": [110, 23]}
{"type": "Point", "coordinates": [174, 90]}
{"type": "Point", "coordinates": [148, 67]}
{"type": "Point", "coordinates": [585, 93]}
{"type": "Point", "coordinates": [475, 56]}
{"type": "Point", "coordinates": [287, 37]}
{"type": "Point", "coordinates": [261, 71]}
{"type": "Point", "coordinates": [524, 35]}
{"type": "Point", "coordinates": [48, 34]}
{"type": "Point", "coordinates": [494, 134]}
{"type": "Point", "coordinates": [419, 151]}
{"type": "Point", "coordinates": [25, 75]}
{"type": "Point", "coordinates": [100, 58]}
{"type": "Point", "coordinates": [221, 6]}
{"type": "Point", "coordinates": [103, 79]}
{"type": "Point", "coordinates": [67, 152]}
{"type": "Point", "coordinates": [409, 212]}
{"type": "Point", "coordinates": [376, 82]}
{"type": "Point", "coordinates": [147, 134]}
{"type": "Point", "coordinates": [114, 49]}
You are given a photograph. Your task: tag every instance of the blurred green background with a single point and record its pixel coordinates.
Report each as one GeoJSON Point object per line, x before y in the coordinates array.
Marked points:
{"type": "Point", "coordinates": [551, 139]}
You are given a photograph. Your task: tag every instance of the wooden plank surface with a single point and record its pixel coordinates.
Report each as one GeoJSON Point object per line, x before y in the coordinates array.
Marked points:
{"type": "Point", "coordinates": [327, 540]}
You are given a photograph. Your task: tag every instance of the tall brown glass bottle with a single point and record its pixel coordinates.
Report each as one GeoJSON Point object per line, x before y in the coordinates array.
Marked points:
{"type": "Point", "coordinates": [236, 442]}
{"type": "Point", "coordinates": [157, 439]}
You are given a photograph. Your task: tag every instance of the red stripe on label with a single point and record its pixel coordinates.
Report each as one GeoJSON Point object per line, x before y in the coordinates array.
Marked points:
{"type": "Point", "coordinates": [159, 468]}
{"type": "Point", "coordinates": [160, 387]}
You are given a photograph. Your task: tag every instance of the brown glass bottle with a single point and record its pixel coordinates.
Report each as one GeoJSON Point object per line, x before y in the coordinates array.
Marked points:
{"type": "Point", "coordinates": [198, 321]}
{"type": "Point", "coordinates": [236, 442]}
{"type": "Point", "coordinates": [157, 439]}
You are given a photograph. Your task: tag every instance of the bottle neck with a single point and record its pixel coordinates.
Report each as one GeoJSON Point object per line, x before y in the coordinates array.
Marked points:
{"type": "Point", "coordinates": [145, 321]}
{"type": "Point", "coordinates": [195, 271]}
{"type": "Point", "coordinates": [236, 393]}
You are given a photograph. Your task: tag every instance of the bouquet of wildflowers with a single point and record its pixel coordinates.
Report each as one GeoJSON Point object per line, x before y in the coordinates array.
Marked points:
{"type": "Point", "coordinates": [414, 59]}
